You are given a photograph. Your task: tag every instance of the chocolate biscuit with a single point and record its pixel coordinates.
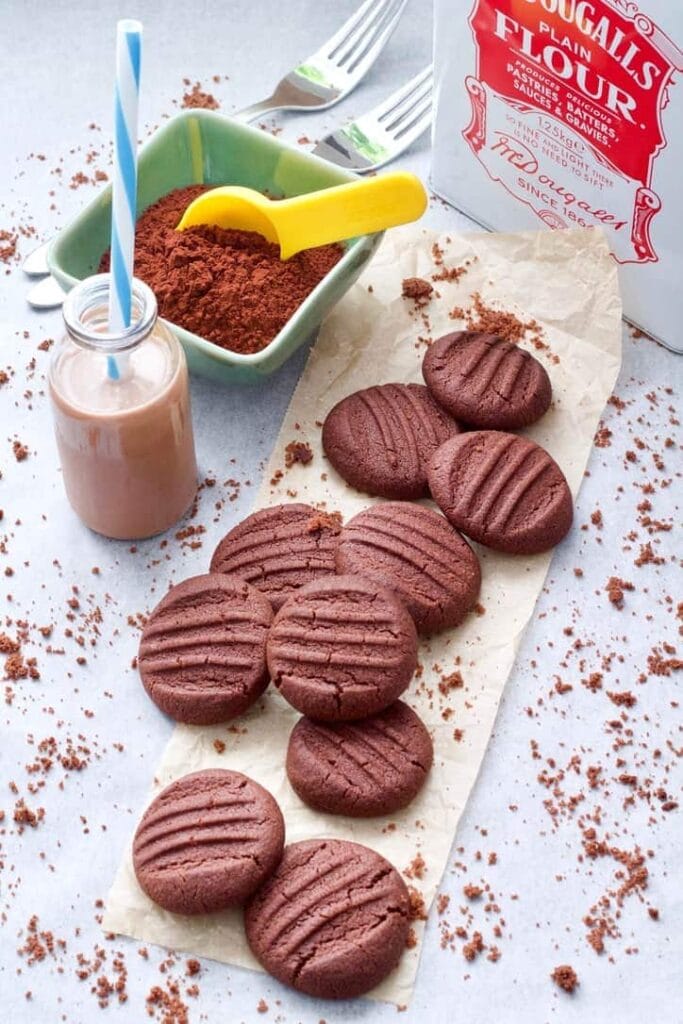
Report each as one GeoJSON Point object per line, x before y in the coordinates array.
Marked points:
{"type": "Point", "coordinates": [278, 549]}
{"type": "Point", "coordinates": [332, 921]}
{"type": "Point", "coordinates": [502, 490]}
{"type": "Point", "coordinates": [486, 381]}
{"type": "Point", "coordinates": [207, 842]}
{"type": "Point", "coordinates": [342, 648]}
{"type": "Point", "coordinates": [416, 553]}
{"type": "Point", "coordinates": [380, 440]}
{"type": "Point", "coordinates": [202, 655]}
{"type": "Point", "coordinates": [361, 769]}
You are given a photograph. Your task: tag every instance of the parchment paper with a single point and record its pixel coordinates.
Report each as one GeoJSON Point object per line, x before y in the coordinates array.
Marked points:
{"type": "Point", "coordinates": [568, 282]}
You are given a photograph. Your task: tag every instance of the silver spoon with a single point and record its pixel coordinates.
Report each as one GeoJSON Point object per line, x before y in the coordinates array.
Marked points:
{"type": "Point", "coordinates": [35, 264]}
{"type": "Point", "coordinates": [47, 294]}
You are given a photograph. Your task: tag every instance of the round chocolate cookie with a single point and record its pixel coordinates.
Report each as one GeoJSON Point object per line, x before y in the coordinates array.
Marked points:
{"type": "Point", "coordinates": [486, 381]}
{"type": "Point", "coordinates": [332, 921]}
{"type": "Point", "coordinates": [502, 490]}
{"type": "Point", "coordinates": [342, 648]}
{"type": "Point", "coordinates": [361, 769]}
{"type": "Point", "coordinates": [413, 550]}
{"type": "Point", "coordinates": [278, 549]}
{"type": "Point", "coordinates": [207, 842]}
{"type": "Point", "coordinates": [202, 656]}
{"type": "Point", "coordinates": [381, 439]}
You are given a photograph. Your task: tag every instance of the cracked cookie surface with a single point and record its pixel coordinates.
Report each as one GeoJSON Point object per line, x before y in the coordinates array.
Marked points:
{"type": "Point", "coordinates": [361, 769]}
{"type": "Point", "coordinates": [202, 655]}
{"type": "Point", "coordinates": [332, 921]}
{"type": "Point", "coordinates": [279, 549]}
{"type": "Point", "coordinates": [342, 648]}
{"type": "Point", "coordinates": [207, 842]}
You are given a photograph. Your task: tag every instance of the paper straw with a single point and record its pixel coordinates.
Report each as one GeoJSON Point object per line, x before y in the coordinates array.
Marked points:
{"type": "Point", "coordinates": [124, 180]}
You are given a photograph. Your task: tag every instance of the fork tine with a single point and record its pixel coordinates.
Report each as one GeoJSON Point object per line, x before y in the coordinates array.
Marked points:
{"type": "Point", "coordinates": [420, 122]}
{"type": "Point", "coordinates": [365, 11]}
{"type": "Point", "coordinates": [406, 112]}
{"type": "Point", "coordinates": [362, 31]}
{"type": "Point", "coordinates": [394, 103]}
{"type": "Point", "coordinates": [366, 55]}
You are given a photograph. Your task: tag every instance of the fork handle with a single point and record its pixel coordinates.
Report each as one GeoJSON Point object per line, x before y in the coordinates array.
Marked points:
{"type": "Point", "coordinates": [247, 114]}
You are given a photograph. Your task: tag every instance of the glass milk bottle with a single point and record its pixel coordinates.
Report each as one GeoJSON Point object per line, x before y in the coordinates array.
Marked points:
{"type": "Point", "coordinates": [121, 408]}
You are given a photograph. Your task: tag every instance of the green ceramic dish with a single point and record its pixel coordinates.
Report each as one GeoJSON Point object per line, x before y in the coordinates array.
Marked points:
{"type": "Point", "coordinates": [199, 146]}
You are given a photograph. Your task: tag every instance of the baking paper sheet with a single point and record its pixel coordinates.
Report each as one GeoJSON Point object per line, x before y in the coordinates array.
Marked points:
{"type": "Point", "coordinates": [567, 281]}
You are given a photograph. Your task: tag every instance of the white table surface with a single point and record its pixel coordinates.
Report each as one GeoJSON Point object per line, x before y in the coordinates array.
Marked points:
{"type": "Point", "coordinates": [57, 61]}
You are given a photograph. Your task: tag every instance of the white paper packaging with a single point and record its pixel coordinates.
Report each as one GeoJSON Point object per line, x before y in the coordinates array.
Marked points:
{"type": "Point", "coordinates": [569, 113]}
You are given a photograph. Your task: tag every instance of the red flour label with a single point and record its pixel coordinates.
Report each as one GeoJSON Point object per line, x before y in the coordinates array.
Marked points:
{"type": "Point", "coordinates": [567, 111]}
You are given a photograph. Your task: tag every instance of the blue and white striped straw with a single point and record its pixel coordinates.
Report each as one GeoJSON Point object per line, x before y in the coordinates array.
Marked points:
{"type": "Point", "coordinates": [124, 179]}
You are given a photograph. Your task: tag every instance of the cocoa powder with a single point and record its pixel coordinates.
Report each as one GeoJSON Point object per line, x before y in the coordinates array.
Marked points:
{"type": "Point", "coordinates": [228, 286]}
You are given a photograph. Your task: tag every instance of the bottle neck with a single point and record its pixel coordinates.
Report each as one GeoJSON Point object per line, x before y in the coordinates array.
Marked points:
{"type": "Point", "coordinates": [86, 315]}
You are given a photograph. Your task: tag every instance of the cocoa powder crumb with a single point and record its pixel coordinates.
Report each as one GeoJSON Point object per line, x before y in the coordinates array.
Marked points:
{"type": "Point", "coordinates": [565, 977]}
{"type": "Point", "coordinates": [454, 681]}
{"type": "Point", "coordinates": [475, 946]}
{"type": "Point", "coordinates": [8, 245]}
{"type": "Point", "coordinates": [615, 588]}
{"type": "Point", "coordinates": [623, 699]}
{"type": "Point", "coordinates": [197, 99]}
{"type": "Point", "coordinates": [417, 866]}
{"type": "Point", "coordinates": [647, 556]}
{"type": "Point", "coordinates": [603, 436]}
{"type": "Point", "coordinates": [298, 451]}
{"type": "Point", "coordinates": [417, 289]}
{"type": "Point", "coordinates": [502, 323]}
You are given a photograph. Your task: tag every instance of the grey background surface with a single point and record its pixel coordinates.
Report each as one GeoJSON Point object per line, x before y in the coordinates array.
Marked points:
{"type": "Point", "coordinates": [57, 62]}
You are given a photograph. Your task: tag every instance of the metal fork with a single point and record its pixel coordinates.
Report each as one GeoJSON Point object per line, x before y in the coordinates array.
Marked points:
{"type": "Point", "coordinates": [330, 73]}
{"type": "Point", "coordinates": [379, 136]}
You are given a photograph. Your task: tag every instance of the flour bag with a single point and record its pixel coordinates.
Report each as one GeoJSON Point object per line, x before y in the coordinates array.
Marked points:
{"type": "Point", "coordinates": [569, 113]}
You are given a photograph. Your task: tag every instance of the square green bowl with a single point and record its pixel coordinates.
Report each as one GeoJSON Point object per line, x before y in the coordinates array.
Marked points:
{"type": "Point", "coordinates": [201, 147]}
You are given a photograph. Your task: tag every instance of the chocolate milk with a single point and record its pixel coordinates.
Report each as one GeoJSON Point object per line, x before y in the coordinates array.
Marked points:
{"type": "Point", "coordinates": [126, 445]}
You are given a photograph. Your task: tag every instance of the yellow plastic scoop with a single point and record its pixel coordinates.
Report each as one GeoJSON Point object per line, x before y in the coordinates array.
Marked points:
{"type": "Point", "coordinates": [317, 218]}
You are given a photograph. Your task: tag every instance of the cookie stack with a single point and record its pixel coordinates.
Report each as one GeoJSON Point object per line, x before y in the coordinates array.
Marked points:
{"type": "Point", "coordinates": [331, 615]}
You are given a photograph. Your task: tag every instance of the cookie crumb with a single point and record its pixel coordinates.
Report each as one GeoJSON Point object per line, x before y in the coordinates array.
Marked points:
{"type": "Point", "coordinates": [417, 289]}
{"type": "Point", "coordinates": [298, 451]}
{"type": "Point", "coordinates": [331, 521]}
{"type": "Point", "coordinates": [616, 588]}
{"type": "Point", "coordinates": [196, 99]}
{"type": "Point", "coordinates": [565, 977]}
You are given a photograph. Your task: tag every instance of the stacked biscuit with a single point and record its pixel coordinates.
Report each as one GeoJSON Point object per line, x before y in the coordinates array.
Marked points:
{"type": "Point", "coordinates": [331, 615]}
